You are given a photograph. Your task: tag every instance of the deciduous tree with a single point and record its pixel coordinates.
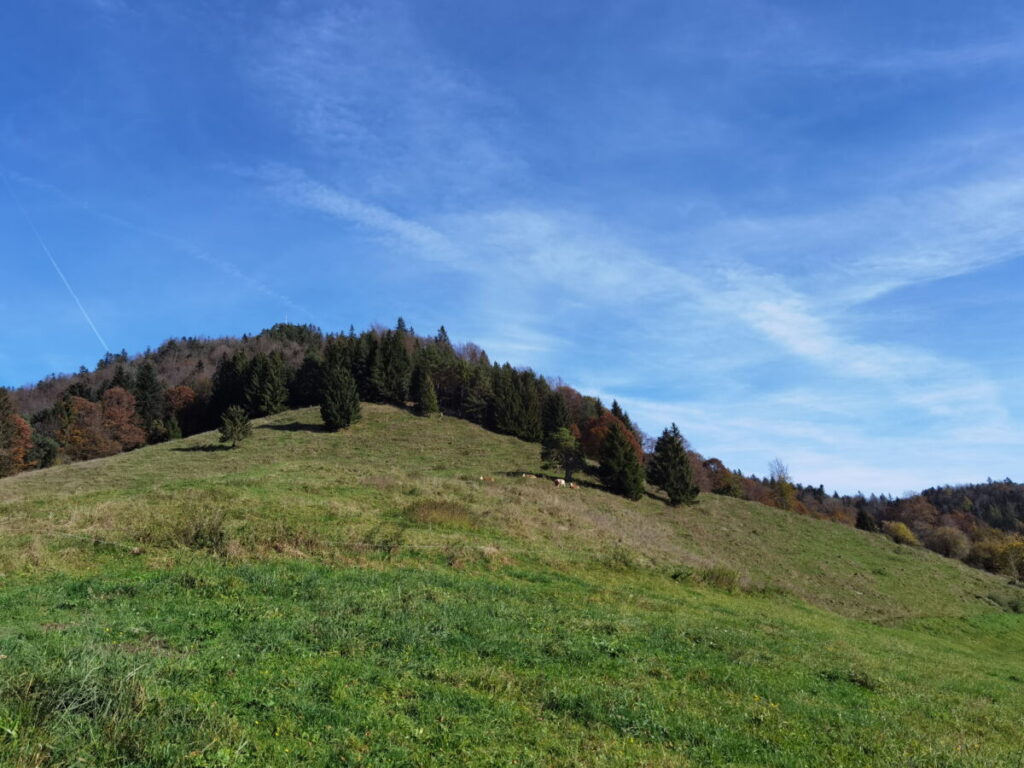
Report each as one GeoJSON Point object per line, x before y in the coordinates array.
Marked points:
{"type": "Point", "coordinates": [120, 419]}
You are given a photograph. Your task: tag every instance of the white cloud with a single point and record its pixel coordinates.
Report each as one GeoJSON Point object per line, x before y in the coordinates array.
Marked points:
{"type": "Point", "coordinates": [691, 318]}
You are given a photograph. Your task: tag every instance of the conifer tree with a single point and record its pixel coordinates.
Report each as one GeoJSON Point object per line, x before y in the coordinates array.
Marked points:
{"type": "Point", "coordinates": [121, 378]}
{"type": "Point", "coordinates": [669, 468]}
{"type": "Point", "coordinates": [265, 391]}
{"type": "Point", "coordinates": [234, 425]}
{"type": "Point", "coordinates": [561, 449]}
{"type": "Point", "coordinates": [339, 398]}
{"type": "Point", "coordinates": [228, 384]}
{"type": "Point", "coordinates": [304, 388]}
{"type": "Point", "coordinates": [150, 401]}
{"type": "Point", "coordinates": [620, 466]}
{"type": "Point", "coordinates": [423, 393]}
{"type": "Point", "coordinates": [395, 366]}
{"type": "Point", "coordinates": [532, 391]}
{"type": "Point", "coordinates": [369, 368]}
{"type": "Point", "coordinates": [477, 394]}
{"type": "Point", "coordinates": [556, 415]}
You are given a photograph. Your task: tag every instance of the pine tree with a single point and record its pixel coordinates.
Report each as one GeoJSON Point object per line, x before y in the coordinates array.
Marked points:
{"type": "Point", "coordinates": [234, 425]}
{"type": "Point", "coordinates": [620, 465]}
{"type": "Point", "coordinates": [669, 468]}
{"type": "Point", "coordinates": [339, 398]}
{"type": "Point", "coordinates": [423, 393]}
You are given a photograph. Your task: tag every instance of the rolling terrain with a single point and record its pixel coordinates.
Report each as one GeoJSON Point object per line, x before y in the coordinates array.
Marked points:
{"type": "Point", "coordinates": [399, 593]}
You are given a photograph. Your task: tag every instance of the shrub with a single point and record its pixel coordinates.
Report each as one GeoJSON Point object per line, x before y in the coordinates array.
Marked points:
{"type": "Point", "coordinates": [203, 530]}
{"type": "Point", "coordinates": [721, 578]}
{"type": "Point", "coordinates": [899, 533]}
{"type": "Point", "coordinates": [948, 541]}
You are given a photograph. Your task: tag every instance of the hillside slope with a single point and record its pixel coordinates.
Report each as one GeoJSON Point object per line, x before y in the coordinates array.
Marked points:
{"type": "Point", "coordinates": [365, 597]}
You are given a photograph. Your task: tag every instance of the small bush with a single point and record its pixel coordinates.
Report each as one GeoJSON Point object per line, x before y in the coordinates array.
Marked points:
{"type": "Point", "coordinates": [899, 533]}
{"type": "Point", "coordinates": [204, 531]}
{"type": "Point", "coordinates": [720, 577]}
{"type": "Point", "coordinates": [384, 540]}
{"type": "Point", "coordinates": [620, 558]}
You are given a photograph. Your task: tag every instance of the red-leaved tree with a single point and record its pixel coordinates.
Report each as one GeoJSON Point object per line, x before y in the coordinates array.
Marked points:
{"type": "Point", "coordinates": [120, 420]}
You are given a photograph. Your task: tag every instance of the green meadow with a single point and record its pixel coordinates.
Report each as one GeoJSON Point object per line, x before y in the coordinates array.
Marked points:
{"type": "Point", "coordinates": [399, 594]}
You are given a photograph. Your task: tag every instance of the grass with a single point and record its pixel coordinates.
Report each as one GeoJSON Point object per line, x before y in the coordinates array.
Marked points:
{"type": "Point", "coordinates": [363, 598]}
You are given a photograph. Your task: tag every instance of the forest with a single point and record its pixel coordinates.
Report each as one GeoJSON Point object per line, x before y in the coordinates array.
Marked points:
{"type": "Point", "coordinates": [187, 385]}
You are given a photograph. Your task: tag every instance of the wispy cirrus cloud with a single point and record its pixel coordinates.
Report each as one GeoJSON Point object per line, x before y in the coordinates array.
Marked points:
{"type": "Point", "coordinates": [361, 86]}
{"type": "Point", "coordinates": [709, 317]}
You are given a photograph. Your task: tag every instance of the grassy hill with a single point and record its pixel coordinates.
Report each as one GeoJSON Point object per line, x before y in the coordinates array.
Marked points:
{"type": "Point", "coordinates": [365, 598]}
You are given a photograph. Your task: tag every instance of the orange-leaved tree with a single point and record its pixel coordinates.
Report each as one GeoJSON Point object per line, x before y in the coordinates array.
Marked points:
{"type": "Point", "coordinates": [120, 420]}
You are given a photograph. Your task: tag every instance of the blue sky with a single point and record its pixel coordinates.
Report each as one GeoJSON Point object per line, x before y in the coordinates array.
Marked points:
{"type": "Point", "coordinates": [793, 228]}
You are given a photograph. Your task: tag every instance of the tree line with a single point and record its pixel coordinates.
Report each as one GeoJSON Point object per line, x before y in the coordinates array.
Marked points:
{"type": "Point", "coordinates": [189, 385]}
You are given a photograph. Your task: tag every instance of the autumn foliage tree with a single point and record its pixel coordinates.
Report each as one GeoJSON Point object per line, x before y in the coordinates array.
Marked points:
{"type": "Point", "coordinates": [595, 431]}
{"type": "Point", "coordinates": [120, 420]}
{"type": "Point", "coordinates": [85, 435]}
{"type": "Point", "coordinates": [15, 437]}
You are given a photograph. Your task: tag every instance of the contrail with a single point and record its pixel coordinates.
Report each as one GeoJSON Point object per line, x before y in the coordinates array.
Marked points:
{"type": "Point", "coordinates": [46, 250]}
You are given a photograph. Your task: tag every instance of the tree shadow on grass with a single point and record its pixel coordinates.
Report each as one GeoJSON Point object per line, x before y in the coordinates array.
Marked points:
{"type": "Point", "coordinates": [209, 448]}
{"type": "Point", "coordinates": [295, 426]}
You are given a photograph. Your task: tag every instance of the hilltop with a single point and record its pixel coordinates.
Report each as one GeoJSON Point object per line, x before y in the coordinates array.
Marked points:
{"type": "Point", "coordinates": [399, 593]}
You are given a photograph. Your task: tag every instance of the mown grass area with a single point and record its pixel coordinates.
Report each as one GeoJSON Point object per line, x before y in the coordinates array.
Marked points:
{"type": "Point", "coordinates": [363, 598]}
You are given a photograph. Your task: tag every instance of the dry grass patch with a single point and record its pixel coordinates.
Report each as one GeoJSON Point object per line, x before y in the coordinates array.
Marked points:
{"type": "Point", "coordinates": [441, 512]}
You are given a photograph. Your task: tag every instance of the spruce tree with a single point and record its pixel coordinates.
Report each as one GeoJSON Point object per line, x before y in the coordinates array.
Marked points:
{"type": "Point", "coordinates": [150, 402]}
{"type": "Point", "coordinates": [121, 378]}
{"type": "Point", "coordinates": [423, 393]}
{"type": "Point", "coordinates": [234, 425]}
{"type": "Point", "coordinates": [339, 398]}
{"type": "Point", "coordinates": [556, 415]}
{"type": "Point", "coordinates": [477, 396]}
{"type": "Point", "coordinates": [304, 388]}
{"type": "Point", "coordinates": [395, 366]}
{"type": "Point", "coordinates": [620, 465]}
{"type": "Point", "coordinates": [669, 468]}
{"type": "Point", "coordinates": [229, 382]}
{"type": "Point", "coordinates": [265, 391]}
